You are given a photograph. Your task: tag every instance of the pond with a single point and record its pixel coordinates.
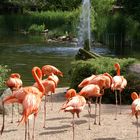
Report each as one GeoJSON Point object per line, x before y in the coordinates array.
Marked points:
{"type": "Point", "coordinates": [21, 52]}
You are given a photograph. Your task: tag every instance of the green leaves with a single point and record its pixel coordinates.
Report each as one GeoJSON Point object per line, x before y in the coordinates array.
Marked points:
{"type": "Point", "coordinates": [3, 75]}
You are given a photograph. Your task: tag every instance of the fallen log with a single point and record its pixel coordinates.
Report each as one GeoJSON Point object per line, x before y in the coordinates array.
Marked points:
{"type": "Point", "coordinates": [84, 54]}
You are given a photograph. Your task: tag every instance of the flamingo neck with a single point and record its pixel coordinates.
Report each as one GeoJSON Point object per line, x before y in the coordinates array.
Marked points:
{"type": "Point", "coordinates": [117, 66]}
{"type": "Point", "coordinates": [37, 74]}
{"type": "Point", "coordinates": [118, 71]}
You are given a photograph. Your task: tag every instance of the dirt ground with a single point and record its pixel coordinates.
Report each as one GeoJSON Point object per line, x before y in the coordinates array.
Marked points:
{"type": "Point", "coordinates": [59, 127]}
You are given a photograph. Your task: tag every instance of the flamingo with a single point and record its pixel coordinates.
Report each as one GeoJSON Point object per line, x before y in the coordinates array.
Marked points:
{"type": "Point", "coordinates": [118, 84]}
{"type": "Point", "coordinates": [30, 98]}
{"type": "Point", "coordinates": [74, 104]}
{"type": "Point", "coordinates": [50, 85]}
{"type": "Point", "coordinates": [14, 82]}
{"type": "Point", "coordinates": [104, 81]}
{"type": "Point", "coordinates": [86, 81]}
{"type": "Point", "coordinates": [49, 70]}
{"type": "Point", "coordinates": [135, 107]}
{"type": "Point", "coordinates": [88, 92]}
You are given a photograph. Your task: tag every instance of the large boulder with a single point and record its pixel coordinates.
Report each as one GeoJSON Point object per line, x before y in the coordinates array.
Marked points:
{"type": "Point", "coordinates": [5, 93]}
{"type": "Point", "coordinates": [134, 76]}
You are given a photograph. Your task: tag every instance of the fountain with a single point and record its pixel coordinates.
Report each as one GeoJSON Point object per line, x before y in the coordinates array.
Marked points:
{"type": "Point", "coordinates": [84, 33]}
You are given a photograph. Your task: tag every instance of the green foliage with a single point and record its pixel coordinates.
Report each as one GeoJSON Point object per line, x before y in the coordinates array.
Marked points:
{"type": "Point", "coordinates": [83, 69]}
{"type": "Point", "coordinates": [36, 28]}
{"type": "Point", "coordinates": [120, 22]}
{"type": "Point", "coordinates": [132, 8]}
{"type": "Point", "coordinates": [3, 75]}
{"type": "Point", "coordinates": [132, 29]}
{"type": "Point", "coordinates": [102, 7]}
{"type": "Point", "coordinates": [38, 5]}
{"type": "Point", "coordinates": [65, 21]}
{"type": "Point", "coordinates": [101, 16]}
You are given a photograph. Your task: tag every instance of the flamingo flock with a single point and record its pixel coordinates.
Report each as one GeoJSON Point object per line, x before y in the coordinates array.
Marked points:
{"type": "Point", "coordinates": [30, 97]}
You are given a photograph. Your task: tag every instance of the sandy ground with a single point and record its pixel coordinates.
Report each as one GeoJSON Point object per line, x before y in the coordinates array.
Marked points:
{"type": "Point", "coordinates": [59, 127]}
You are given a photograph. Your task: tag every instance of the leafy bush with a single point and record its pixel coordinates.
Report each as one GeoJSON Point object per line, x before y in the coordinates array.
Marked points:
{"type": "Point", "coordinates": [64, 20]}
{"type": "Point", "coordinates": [82, 69]}
{"type": "Point", "coordinates": [34, 28]}
{"type": "Point", "coordinates": [3, 75]}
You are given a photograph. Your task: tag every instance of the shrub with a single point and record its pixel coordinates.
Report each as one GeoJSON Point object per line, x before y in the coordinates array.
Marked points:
{"type": "Point", "coordinates": [64, 20]}
{"type": "Point", "coordinates": [3, 75]}
{"type": "Point", "coordinates": [82, 69]}
{"type": "Point", "coordinates": [34, 28]}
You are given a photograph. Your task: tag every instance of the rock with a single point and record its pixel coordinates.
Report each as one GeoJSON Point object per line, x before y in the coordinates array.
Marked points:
{"type": "Point", "coordinates": [134, 76]}
{"type": "Point", "coordinates": [134, 68]}
{"type": "Point", "coordinates": [5, 93]}
{"type": "Point", "coordinates": [75, 40]}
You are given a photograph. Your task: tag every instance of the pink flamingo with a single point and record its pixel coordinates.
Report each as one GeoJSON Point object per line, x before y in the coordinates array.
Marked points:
{"type": "Point", "coordinates": [118, 84]}
{"type": "Point", "coordinates": [50, 85]}
{"type": "Point", "coordinates": [30, 98]}
{"type": "Point", "coordinates": [88, 92]}
{"type": "Point", "coordinates": [14, 82]}
{"type": "Point", "coordinates": [74, 104]}
{"type": "Point", "coordinates": [49, 70]}
{"type": "Point", "coordinates": [86, 81]}
{"type": "Point", "coordinates": [104, 81]}
{"type": "Point", "coordinates": [135, 107]}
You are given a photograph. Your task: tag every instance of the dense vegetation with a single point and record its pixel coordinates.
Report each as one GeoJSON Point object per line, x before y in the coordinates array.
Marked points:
{"type": "Point", "coordinates": [3, 75]}
{"type": "Point", "coordinates": [20, 6]}
{"type": "Point", "coordinates": [109, 18]}
{"type": "Point", "coordinates": [56, 21]}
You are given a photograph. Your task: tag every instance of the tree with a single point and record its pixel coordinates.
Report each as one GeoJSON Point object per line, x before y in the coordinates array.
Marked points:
{"type": "Point", "coordinates": [132, 8]}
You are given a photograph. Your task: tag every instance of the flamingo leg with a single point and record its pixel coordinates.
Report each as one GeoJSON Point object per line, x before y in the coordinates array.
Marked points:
{"type": "Point", "coordinates": [12, 113]}
{"type": "Point", "coordinates": [18, 112]}
{"type": "Point", "coordinates": [116, 104]}
{"type": "Point", "coordinates": [25, 130]}
{"type": "Point", "coordinates": [33, 128]}
{"type": "Point", "coordinates": [120, 101]}
{"type": "Point", "coordinates": [2, 128]}
{"type": "Point", "coordinates": [137, 128]}
{"type": "Point", "coordinates": [51, 102]}
{"type": "Point", "coordinates": [28, 130]}
{"type": "Point", "coordinates": [45, 111]}
{"type": "Point", "coordinates": [100, 110]}
{"type": "Point", "coordinates": [89, 112]}
{"type": "Point", "coordinates": [96, 109]}
{"type": "Point", "coordinates": [73, 126]}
